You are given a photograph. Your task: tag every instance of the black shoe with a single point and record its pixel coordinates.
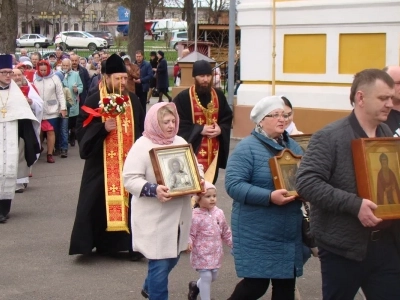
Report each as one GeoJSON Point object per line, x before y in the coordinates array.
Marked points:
{"type": "Point", "coordinates": [72, 143]}
{"type": "Point", "coordinates": [193, 290]}
{"type": "Point", "coordinates": [56, 152]}
{"type": "Point", "coordinates": [19, 191]}
{"type": "Point", "coordinates": [64, 153]}
{"type": "Point", "coordinates": [135, 256]}
{"type": "Point", "coordinates": [144, 294]}
{"type": "Point", "coordinates": [3, 219]}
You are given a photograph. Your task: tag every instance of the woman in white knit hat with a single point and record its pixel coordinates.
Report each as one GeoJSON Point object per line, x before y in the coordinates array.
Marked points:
{"type": "Point", "coordinates": [266, 222]}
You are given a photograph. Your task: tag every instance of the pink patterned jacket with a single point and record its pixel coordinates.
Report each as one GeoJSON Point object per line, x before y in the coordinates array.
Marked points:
{"type": "Point", "coordinates": [208, 230]}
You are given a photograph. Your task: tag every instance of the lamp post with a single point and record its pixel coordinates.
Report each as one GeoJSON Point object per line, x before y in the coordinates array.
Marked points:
{"type": "Point", "coordinates": [43, 16]}
{"type": "Point", "coordinates": [94, 17]}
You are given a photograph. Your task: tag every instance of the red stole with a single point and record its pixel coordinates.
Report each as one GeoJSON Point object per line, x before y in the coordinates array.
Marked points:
{"type": "Point", "coordinates": [208, 150]}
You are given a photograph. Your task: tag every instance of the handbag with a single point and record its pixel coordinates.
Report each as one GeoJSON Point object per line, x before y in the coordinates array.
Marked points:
{"type": "Point", "coordinates": [307, 237]}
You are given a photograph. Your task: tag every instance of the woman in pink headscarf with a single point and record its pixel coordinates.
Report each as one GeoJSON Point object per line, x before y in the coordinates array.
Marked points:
{"type": "Point", "coordinates": [160, 224]}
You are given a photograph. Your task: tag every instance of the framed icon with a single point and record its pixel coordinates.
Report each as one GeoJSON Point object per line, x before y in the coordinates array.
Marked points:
{"type": "Point", "coordinates": [377, 170]}
{"type": "Point", "coordinates": [284, 168]}
{"type": "Point", "coordinates": [302, 139]}
{"type": "Point", "coordinates": [176, 168]}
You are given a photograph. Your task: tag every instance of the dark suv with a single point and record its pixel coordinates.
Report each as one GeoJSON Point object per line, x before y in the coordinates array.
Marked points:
{"type": "Point", "coordinates": [104, 35]}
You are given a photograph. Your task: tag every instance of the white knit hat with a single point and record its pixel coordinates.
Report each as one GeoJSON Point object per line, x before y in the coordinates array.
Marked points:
{"type": "Point", "coordinates": [264, 107]}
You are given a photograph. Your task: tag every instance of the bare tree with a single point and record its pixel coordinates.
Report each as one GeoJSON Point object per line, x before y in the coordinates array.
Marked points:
{"type": "Point", "coordinates": [136, 25]}
{"type": "Point", "coordinates": [153, 5]}
{"type": "Point", "coordinates": [189, 15]}
{"type": "Point", "coordinates": [9, 26]}
{"type": "Point", "coordinates": [215, 7]}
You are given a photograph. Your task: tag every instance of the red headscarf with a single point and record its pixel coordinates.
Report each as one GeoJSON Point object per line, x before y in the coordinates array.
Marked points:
{"type": "Point", "coordinates": [41, 63]}
{"type": "Point", "coordinates": [152, 129]}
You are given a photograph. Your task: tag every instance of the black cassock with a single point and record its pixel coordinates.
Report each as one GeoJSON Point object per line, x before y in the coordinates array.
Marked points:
{"type": "Point", "coordinates": [191, 132]}
{"type": "Point", "coordinates": [90, 224]}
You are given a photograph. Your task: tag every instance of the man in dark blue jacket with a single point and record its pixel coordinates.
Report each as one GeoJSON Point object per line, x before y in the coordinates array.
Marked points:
{"type": "Point", "coordinates": [142, 85]}
{"type": "Point", "coordinates": [83, 74]}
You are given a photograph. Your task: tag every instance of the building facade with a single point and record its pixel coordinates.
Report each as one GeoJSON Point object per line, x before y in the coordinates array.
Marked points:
{"type": "Point", "coordinates": [320, 45]}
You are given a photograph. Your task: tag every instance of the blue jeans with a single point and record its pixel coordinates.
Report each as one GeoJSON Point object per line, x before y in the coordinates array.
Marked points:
{"type": "Point", "coordinates": [156, 283]}
{"type": "Point", "coordinates": [63, 134]}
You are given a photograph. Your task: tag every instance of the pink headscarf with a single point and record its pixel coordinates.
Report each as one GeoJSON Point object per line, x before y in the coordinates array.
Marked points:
{"type": "Point", "coordinates": [152, 129]}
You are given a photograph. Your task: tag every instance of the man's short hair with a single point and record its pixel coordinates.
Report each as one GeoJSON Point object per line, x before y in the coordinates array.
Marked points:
{"type": "Point", "coordinates": [368, 77]}
{"type": "Point", "coordinates": [139, 52]}
{"type": "Point", "coordinates": [37, 54]}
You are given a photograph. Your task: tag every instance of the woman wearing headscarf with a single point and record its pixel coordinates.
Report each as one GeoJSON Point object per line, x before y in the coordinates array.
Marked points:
{"type": "Point", "coordinates": [160, 223]}
{"type": "Point", "coordinates": [266, 222]}
{"type": "Point", "coordinates": [162, 77]}
{"type": "Point", "coordinates": [51, 91]}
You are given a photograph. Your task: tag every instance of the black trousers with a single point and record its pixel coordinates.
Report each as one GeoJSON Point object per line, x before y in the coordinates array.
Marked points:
{"type": "Point", "coordinates": [5, 206]}
{"type": "Point", "coordinates": [378, 274]}
{"type": "Point", "coordinates": [255, 288]}
{"type": "Point", "coordinates": [142, 96]}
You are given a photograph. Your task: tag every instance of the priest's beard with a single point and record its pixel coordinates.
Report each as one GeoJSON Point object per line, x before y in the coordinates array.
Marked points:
{"type": "Point", "coordinates": [202, 89]}
{"type": "Point", "coordinates": [116, 89]}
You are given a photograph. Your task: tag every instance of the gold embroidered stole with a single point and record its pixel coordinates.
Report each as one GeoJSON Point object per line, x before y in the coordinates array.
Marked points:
{"type": "Point", "coordinates": [116, 147]}
{"type": "Point", "coordinates": [207, 155]}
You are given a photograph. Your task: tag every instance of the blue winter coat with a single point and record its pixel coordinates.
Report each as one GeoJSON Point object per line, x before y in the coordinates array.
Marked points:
{"type": "Point", "coordinates": [267, 239]}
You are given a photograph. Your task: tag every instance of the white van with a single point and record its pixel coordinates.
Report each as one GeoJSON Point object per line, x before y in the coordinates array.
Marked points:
{"type": "Point", "coordinates": [177, 36]}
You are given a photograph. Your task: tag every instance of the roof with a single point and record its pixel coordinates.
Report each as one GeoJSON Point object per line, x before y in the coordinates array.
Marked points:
{"type": "Point", "coordinates": [195, 56]}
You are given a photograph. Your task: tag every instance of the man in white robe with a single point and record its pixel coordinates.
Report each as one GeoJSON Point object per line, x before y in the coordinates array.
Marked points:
{"type": "Point", "coordinates": [36, 104]}
{"type": "Point", "coordinates": [16, 120]}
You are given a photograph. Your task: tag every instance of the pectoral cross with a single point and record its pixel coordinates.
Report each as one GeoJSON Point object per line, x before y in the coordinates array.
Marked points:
{"type": "Point", "coordinates": [4, 111]}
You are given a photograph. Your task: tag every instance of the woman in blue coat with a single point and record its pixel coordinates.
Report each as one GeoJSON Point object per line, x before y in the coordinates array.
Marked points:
{"type": "Point", "coordinates": [266, 223]}
{"type": "Point", "coordinates": [162, 77]}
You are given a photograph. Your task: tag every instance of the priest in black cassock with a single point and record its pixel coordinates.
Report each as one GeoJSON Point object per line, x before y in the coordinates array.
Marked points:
{"type": "Point", "coordinates": [16, 122]}
{"type": "Point", "coordinates": [205, 120]}
{"type": "Point", "coordinates": [91, 227]}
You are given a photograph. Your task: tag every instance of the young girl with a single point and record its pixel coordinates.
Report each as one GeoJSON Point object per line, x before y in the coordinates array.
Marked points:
{"type": "Point", "coordinates": [208, 230]}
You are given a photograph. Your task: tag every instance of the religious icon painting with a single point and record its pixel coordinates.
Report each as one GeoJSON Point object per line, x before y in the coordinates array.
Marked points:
{"type": "Point", "coordinates": [176, 168]}
{"type": "Point", "coordinates": [302, 139]}
{"type": "Point", "coordinates": [284, 167]}
{"type": "Point", "coordinates": [377, 170]}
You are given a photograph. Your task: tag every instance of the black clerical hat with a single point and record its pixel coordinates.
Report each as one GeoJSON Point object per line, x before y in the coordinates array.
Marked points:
{"type": "Point", "coordinates": [201, 67]}
{"type": "Point", "coordinates": [115, 64]}
{"type": "Point", "coordinates": [6, 61]}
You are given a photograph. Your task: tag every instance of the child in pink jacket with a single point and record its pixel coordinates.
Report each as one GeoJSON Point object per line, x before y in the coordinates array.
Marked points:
{"type": "Point", "coordinates": [209, 229]}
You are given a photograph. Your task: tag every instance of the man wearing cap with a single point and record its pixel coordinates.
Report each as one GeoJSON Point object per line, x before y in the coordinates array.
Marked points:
{"type": "Point", "coordinates": [153, 83]}
{"type": "Point", "coordinates": [205, 120]}
{"type": "Point", "coordinates": [16, 121]}
{"type": "Point", "coordinates": [102, 213]}
{"type": "Point", "coordinates": [133, 73]}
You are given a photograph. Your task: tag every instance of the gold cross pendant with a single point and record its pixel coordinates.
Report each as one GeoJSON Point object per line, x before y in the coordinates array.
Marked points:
{"type": "Point", "coordinates": [4, 111]}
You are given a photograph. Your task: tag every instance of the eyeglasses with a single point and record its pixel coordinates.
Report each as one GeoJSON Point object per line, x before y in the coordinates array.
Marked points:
{"type": "Point", "coordinates": [277, 116]}
{"type": "Point", "coordinates": [6, 73]}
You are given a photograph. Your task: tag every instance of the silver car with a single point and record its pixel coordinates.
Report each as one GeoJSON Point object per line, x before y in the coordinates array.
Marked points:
{"type": "Point", "coordinates": [33, 40]}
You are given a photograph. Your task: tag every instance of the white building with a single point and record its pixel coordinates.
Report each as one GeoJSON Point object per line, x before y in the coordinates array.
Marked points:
{"type": "Point", "coordinates": [320, 45]}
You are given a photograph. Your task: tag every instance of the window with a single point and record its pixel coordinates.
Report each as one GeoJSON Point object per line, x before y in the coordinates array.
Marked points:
{"type": "Point", "coordinates": [24, 37]}
{"type": "Point", "coordinates": [65, 26]}
{"type": "Point", "coordinates": [23, 27]}
{"type": "Point", "coordinates": [32, 37]}
{"type": "Point", "coordinates": [76, 26]}
{"type": "Point", "coordinates": [182, 35]}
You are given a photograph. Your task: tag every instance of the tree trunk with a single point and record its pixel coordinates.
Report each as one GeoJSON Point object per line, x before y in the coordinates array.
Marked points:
{"type": "Point", "coordinates": [189, 13]}
{"type": "Point", "coordinates": [136, 26]}
{"type": "Point", "coordinates": [9, 26]}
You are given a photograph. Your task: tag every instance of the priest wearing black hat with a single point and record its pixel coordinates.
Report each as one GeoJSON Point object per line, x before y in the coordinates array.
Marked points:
{"type": "Point", "coordinates": [205, 120]}
{"type": "Point", "coordinates": [16, 122]}
{"type": "Point", "coordinates": [96, 219]}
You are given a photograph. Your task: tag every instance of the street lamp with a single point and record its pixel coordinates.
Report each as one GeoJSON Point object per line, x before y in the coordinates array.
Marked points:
{"type": "Point", "coordinates": [43, 16]}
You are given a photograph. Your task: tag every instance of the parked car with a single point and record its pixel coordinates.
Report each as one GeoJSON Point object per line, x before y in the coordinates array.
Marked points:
{"type": "Point", "coordinates": [177, 36]}
{"type": "Point", "coordinates": [33, 40]}
{"type": "Point", "coordinates": [79, 40]}
{"type": "Point", "coordinates": [104, 35]}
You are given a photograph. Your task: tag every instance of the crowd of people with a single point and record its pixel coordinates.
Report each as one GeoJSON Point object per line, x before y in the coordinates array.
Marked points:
{"type": "Point", "coordinates": [56, 102]}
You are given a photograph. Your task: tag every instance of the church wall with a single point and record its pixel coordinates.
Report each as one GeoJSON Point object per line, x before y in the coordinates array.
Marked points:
{"type": "Point", "coordinates": [319, 47]}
